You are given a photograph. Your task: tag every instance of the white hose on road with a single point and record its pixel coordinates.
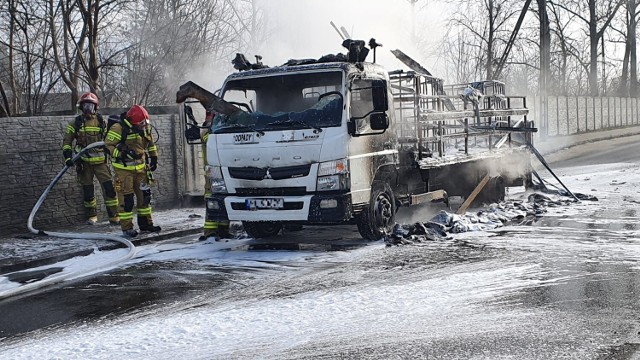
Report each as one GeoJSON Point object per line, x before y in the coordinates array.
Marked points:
{"type": "Point", "coordinates": [56, 278]}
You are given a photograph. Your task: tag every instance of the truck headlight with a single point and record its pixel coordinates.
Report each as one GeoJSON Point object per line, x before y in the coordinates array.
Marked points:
{"type": "Point", "coordinates": [340, 166]}
{"type": "Point", "coordinates": [333, 175]}
{"type": "Point", "coordinates": [214, 173]}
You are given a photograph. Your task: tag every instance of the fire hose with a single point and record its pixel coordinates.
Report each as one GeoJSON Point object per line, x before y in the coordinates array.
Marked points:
{"type": "Point", "coordinates": [59, 277]}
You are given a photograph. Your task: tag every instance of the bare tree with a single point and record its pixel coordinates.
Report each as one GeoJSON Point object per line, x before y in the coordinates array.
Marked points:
{"type": "Point", "coordinates": [9, 17]}
{"type": "Point", "coordinates": [487, 24]}
{"type": "Point", "coordinates": [563, 47]}
{"type": "Point", "coordinates": [627, 30]}
{"type": "Point", "coordinates": [169, 37]}
{"type": "Point", "coordinates": [597, 17]}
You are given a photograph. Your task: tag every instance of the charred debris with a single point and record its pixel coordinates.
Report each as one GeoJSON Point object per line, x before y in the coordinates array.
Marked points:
{"type": "Point", "coordinates": [357, 53]}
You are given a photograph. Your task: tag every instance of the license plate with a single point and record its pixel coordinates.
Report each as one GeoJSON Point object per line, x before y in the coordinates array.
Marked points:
{"type": "Point", "coordinates": [244, 138]}
{"type": "Point", "coordinates": [254, 204]}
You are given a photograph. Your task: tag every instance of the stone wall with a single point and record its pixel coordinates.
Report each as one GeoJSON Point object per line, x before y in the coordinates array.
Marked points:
{"type": "Point", "coordinates": [31, 156]}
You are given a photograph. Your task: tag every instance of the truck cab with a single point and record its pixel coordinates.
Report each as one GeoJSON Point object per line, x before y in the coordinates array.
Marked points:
{"type": "Point", "coordinates": [307, 148]}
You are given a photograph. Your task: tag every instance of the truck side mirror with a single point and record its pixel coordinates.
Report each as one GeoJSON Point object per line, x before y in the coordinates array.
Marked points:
{"type": "Point", "coordinates": [379, 96]}
{"type": "Point", "coordinates": [379, 121]}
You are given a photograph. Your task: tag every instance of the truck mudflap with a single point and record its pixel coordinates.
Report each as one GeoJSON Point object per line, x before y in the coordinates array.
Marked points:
{"type": "Point", "coordinates": [319, 209]}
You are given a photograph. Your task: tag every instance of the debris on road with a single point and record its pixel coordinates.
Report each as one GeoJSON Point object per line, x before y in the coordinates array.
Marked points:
{"type": "Point", "coordinates": [493, 216]}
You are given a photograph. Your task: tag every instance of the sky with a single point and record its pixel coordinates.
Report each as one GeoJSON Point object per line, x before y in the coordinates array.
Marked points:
{"type": "Point", "coordinates": [302, 29]}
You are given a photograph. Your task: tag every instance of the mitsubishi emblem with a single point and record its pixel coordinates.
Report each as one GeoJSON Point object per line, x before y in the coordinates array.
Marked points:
{"type": "Point", "coordinates": [268, 175]}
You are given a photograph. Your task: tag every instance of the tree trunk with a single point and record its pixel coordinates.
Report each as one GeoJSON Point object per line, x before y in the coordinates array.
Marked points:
{"type": "Point", "coordinates": [633, 23]}
{"type": "Point", "coordinates": [545, 61]}
{"type": "Point", "coordinates": [14, 108]}
{"type": "Point", "coordinates": [490, 39]}
{"type": "Point", "coordinates": [4, 109]}
{"type": "Point", "coordinates": [623, 87]}
{"type": "Point", "coordinates": [593, 49]}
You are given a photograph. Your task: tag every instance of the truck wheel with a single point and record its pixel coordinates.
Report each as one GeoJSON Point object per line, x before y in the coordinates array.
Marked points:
{"type": "Point", "coordinates": [494, 191]}
{"type": "Point", "coordinates": [262, 229]}
{"type": "Point", "coordinates": [378, 218]}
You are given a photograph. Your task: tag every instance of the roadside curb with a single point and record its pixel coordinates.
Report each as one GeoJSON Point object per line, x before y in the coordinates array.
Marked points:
{"type": "Point", "coordinates": [48, 260]}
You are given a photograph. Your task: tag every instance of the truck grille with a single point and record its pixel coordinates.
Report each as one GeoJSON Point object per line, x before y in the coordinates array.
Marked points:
{"type": "Point", "coordinates": [282, 191]}
{"type": "Point", "coordinates": [278, 173]}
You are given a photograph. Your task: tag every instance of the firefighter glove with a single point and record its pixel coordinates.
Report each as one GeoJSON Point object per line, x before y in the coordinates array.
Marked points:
{"type": "Point", "coordinates": [153, 163]}
{"type": "Point", "coordinates": [68, 154]}
{"type": "Point", "coordinates": [129, 154]}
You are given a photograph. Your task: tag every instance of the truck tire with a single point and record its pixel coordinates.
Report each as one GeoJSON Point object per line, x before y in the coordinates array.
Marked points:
{"type": "Point", "coordinates": [494, 192]}
{"type": "Point", "coordinates": [378, 218]}
{"type": "Point", "coordinates": [261, 229]}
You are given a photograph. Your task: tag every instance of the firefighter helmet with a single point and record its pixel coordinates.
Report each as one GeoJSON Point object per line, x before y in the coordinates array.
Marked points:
{"type": "Point", "coordinates": [138, 115]}
{"type": "Point", "coordinates": [88, 97]}
{"type": "Point", "coordinates": [88, 103]}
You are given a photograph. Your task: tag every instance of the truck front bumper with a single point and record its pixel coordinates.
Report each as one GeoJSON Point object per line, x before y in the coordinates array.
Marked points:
{"type": "Point", "coordinates": [320, 209]}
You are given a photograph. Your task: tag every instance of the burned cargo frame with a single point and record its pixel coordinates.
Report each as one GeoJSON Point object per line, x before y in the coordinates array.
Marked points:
{"type": "Point", "coordinates": [445, 134]}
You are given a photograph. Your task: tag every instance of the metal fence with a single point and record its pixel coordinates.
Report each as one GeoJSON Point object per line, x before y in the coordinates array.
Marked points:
{"type": "Point", "coordinates": [569, 115]}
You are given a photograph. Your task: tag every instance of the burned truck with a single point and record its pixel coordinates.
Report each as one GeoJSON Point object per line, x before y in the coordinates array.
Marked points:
{"type": "Point", "coordinates": [342, 140]}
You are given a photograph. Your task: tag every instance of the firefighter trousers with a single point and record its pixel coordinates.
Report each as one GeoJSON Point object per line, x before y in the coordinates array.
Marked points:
{"type": "Point", "coordinates": [130, 184]}
{"type": "Point", "coordinates": [86, 173]}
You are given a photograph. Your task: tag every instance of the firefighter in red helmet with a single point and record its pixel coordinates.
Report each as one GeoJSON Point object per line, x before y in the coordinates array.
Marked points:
{"type": "Point", "coordinates": [87, 128]}
{"type": "Point", "coordinates": [134, 155]}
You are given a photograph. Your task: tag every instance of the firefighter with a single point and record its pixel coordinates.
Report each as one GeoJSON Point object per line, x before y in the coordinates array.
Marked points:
{"type": "Point", "coordinates": [87, 128]}
{"type": "Point", "coordinates": [212, 227]}
{"type": "Point", "coordinates": [134, 156]}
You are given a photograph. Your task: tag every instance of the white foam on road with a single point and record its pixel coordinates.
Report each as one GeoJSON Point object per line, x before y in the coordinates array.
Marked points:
{"type": "Point", "coordinates": [446, 302]}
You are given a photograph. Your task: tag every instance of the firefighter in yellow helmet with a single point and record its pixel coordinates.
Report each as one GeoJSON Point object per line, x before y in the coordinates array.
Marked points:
{"type": "Point", "coordinates": [85, 129]}
{"type": "Point", "coordinates": [133, 155]}
{"type": "Point", "coordinates": [214, 226]}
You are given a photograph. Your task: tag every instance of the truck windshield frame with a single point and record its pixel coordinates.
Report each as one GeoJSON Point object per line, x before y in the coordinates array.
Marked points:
{"type": "Point", "coordinates": [311, 100]}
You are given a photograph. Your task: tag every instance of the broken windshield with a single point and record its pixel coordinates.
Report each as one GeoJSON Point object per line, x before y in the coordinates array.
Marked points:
{"type": "Point", "coordinates": [290, 101]}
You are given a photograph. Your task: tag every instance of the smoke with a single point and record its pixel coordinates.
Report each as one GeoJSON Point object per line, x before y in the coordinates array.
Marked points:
{"type": "Point", "coordinates": [302, 29]}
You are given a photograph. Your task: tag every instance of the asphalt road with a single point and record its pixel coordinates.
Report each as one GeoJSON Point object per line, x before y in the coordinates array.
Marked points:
{"type": "Point", "coordinates": [564, 287]}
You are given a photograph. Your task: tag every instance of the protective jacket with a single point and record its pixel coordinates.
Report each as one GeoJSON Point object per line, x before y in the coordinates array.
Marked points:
{"type": "Point", "coordinates": [130, 147]}
{"type": "Point", "coordinates": [85, 130]}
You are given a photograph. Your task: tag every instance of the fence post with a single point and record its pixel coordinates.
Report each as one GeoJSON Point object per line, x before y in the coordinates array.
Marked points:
{"type": "Point", "coordinates": [601, 114]}
{"type": "Point", "coordinates": [586, 114]}
{"type": "Point", "coordinates": [626, 108]}
{"type": "Point", "coordinates": [593, 107]}
{"type": "Point", "coordinates": [577, 114]}
{"type": "Point", "coordinates": [608, 112]}
{"type": "Point", "coordinates": [566, 101]}
{"type": "Point", "coordinates": [557, 117]}
{"type": "Point", "coordinates": [615, 113]}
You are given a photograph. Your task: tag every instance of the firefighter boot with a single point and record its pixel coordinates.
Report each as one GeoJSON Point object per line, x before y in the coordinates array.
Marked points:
{"type": "Point", "coordinates": [216, 230]}
{"type": "Point", "coordinates": [112, 212]}
{"type": "Point", "coordinates": [129, 233]}
{"type": "Point", "coordinates": [146, 224]}
{"type": "Point", "coordinates": [90, 204]}
{"type": "Point", "coordinates": [111, 201]}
